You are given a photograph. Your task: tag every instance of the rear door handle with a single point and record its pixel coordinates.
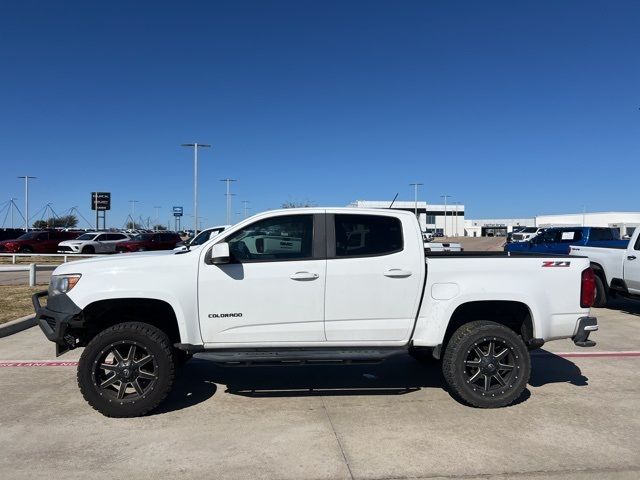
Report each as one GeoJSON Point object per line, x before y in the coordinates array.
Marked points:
{"type": "Point", "coordinates": [631, 257]}
{"type": "Point", "coordinates": [301, 276]}
{"type": "Point", "coordinates": [397, 273]}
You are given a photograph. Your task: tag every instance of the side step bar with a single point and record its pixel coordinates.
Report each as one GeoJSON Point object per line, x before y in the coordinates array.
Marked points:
{"type": "Point", "coordinates": [298, 356]}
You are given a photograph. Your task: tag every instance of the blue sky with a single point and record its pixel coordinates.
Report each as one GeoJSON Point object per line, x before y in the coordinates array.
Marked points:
{"type": "Point", "coordinates": [514, 108]}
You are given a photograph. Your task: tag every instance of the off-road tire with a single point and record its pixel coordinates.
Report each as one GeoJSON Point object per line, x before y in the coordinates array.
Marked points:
{"type": "Point", "coordinates": [150, 340]}
{"type": "Point", "coordinates": [459, 358]}
{"type": "Point", "coordinates": [601, 293]}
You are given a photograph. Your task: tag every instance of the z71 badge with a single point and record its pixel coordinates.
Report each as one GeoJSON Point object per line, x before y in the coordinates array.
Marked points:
{"type": "Point", "coordinates": [555, 264]}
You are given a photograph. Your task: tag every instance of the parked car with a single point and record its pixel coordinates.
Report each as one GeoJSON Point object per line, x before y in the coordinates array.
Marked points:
{"type": "Point", "coordinates": [149, 241]}
{"type": "Point", "coordinates": [427, 236]}
{"type": "Point", "coordinates": [558, 240]}
{"type": "Point", "coordinates": [525, 234]}
{"type": "Point", "coordinates": [312, 285]}
{"type": "Point", "coordinates": [93, 242]}
{"type": "Point", "coordinates": [442, 247]}
{"type": "Point", "coordinates": [38, 241]}
{"type": "Point", "coordinates": [617, 269]}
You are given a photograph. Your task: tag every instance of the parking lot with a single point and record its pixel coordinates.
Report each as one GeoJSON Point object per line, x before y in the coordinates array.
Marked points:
{"type": "Point", "coordinates": [577, 419]}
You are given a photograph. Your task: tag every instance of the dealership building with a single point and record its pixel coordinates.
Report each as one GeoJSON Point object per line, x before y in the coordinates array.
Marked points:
{"type": "Point", "coordinates": [443, 219]}
{"type": "Point", "coordinates": [625, 221]}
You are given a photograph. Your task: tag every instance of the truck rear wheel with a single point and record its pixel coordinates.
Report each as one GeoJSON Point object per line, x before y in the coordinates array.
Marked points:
{"type": "Point", "coordinates": [601, 293]}
{"type": "Point", "coordinates": [486, 365]}
{"type": "Point", "coordinates": [126, 370]}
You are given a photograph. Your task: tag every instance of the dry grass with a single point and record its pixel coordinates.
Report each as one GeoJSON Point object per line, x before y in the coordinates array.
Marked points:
{"type": "Point", "coordinates": [15, 301]}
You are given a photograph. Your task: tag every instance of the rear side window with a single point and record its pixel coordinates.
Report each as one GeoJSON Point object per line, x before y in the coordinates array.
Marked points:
{"type": "Point", "coordinates": [637, 246]}
{"type": "Point", "coordinates": [569, 236]}
{"type": "Point", "coordinates": [601, 234]}
{"type": "Point", "coordinates": [367, 235]}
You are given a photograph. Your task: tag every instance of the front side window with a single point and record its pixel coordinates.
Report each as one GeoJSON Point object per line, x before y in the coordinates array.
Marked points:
{"type": "Point", "coordinates": [287, 237]}
{"type": "Point", "coordinates": [367, 235]}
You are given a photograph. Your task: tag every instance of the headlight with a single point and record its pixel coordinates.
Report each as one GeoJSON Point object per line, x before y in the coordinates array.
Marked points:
{"type": "Point", "coordinates": [63, 283]}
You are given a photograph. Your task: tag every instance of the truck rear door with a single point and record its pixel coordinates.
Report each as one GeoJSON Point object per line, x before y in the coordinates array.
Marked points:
{"type": "Point", "coordinates": [374, 277]}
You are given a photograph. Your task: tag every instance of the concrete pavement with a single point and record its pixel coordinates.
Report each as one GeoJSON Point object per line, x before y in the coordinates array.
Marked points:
{"type": "Point", "coordinates": [578, 419]}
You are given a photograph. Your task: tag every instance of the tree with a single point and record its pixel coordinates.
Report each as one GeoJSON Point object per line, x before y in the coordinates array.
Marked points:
{"type": "Point", "coordinates": [133, 225]}
{"type": "Point", "coordinates": [159, 227]}
{"type": "Point", "coordinates": [66, 221]}
{"type": "Point", "coordinates": [298, 204]}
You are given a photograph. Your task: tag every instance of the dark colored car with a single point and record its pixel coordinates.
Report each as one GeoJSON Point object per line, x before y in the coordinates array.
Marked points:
{"type": "Point", "coordinates": [37, 242]}
{"type": "Point", "coordinates": [558, 240]}
{"type": "Point", "coordinates": [149, 241]}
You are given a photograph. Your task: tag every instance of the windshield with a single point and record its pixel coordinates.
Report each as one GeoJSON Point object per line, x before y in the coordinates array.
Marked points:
{"type": "Point", "coordinates": [142, 237]}
{"type": "Point", "coordinates": [529, 230]}
{"type": "Point", "coordinates": [202, 237]}
{"type": "Point", "coordinates": [86, 236]}
{"type": "Point", "coordinates": [29, 236]}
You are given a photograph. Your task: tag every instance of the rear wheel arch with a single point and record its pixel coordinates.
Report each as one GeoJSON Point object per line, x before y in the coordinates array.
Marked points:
{"type": "Point", "coordinates": [599, 271]}
{"type": "Point", "coordinates": [511, 313]}
{"type": "Point", "coordinates": [103, 314]}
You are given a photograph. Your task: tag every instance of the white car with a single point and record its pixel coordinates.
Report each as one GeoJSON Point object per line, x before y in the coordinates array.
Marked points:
{"type": "Point", "coordinates": [93, 242]}
{"type": "Point", "coordinates": [313, 285]}
{"type": "Point", "coordinates": [617, 269]}
{"type": "Point", "coordinates": [526, 234]}
{"type": "Point", "coordinates": [442, 247]}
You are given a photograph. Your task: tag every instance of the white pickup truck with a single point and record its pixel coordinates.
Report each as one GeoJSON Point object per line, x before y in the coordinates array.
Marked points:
{"type": "Point", "coordinates": [617, 270]}
{"type": "Point", "coordinates": [311, 286]}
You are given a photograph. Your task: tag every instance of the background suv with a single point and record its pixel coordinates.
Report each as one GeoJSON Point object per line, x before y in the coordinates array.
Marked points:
{"type": "Point", "coordinates": [149, 241]}
{"type": "Point", "coordinates": [93, 242]}
{"type": "Point", "coordinates": [37, 242]}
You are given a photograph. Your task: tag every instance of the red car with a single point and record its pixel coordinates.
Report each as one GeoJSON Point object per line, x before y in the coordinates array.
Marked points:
{"type": "Point", "coordinates": [149, 241]}
{"type": "Point", "coordinates": [37, 242]}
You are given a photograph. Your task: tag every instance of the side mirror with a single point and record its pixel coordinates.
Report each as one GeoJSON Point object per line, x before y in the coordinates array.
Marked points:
{"type": "Point", "coordinates": [220, 253]}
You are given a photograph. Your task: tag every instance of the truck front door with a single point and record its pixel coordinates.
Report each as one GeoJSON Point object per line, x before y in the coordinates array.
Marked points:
{"type": "Point", "coordinates": [273, 288]}
{"type": "Point", "coordinates": [632, 268]}
{"type": "Point", "coordinates": [374, 278]}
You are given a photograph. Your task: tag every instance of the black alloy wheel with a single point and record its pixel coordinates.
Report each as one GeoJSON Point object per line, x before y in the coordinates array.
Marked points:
{"type": "Point", "coordinates": [486, 365]}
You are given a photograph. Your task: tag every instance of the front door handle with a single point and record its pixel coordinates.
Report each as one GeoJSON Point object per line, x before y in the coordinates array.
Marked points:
{"type": "Point", "coordinates": [631, 257]}
{"type": "Point", "coordinates": [302, 276]}
{"type": "Point", "coordinates": [397, 273]}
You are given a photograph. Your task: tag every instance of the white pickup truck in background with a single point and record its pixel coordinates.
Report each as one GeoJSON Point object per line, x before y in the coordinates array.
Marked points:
{"type": "Point", "coordinates": [617, 270]}
{"type": "Point", "coordinates": [313, 285]}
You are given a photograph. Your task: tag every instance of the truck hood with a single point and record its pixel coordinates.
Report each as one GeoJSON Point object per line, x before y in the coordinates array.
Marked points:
{"type": "Point", "coordinates": [119, 262]}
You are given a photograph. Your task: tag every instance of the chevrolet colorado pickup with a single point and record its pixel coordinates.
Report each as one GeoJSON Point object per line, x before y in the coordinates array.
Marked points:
{"type": "Point", "coordinates": [617, 270]}
{"type": "Point", "coordinates": [313, 285]}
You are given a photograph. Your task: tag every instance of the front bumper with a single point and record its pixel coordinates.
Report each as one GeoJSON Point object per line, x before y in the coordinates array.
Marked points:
{"type": "Point", "coordinates": [57, 319]}
{"type": "Point", "coordinates": [585, 326]}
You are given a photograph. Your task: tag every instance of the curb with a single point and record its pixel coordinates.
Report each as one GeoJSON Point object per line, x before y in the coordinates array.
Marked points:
{"type": "Point", "coordinates": [17, 325]}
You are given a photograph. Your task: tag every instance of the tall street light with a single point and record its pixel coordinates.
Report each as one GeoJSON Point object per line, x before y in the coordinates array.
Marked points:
{"type": "Point", "coordinates": [228, 195]}
{"type": "Point", "coordinates": [445, 212]}
{"type": "Point", "coordinates": [415, 195]}
{"type": "Point", "coordinates": [245, 202]}
{"type": "Point", "coordinates": [26, 201]}
{"type": "Point", "coordinates": [195, 180]}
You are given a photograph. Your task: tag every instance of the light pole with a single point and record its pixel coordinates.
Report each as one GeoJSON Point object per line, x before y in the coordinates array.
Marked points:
{"type": "Point", "coordinates": [157, 208]}
{"type": "Point", "coordinates": [195, 180]}
{"type": "Point", "coordinates": [445, 212]}
{"type": "Point", "coordinates": [13, 204]}
{"type": "Point", "coordinates": [228, 195]}
{"type": "Point", "coordinates": [26, 201]}
{"type": "Point", "coordinates": [415, 196]}
{"type": "Point", "coordinates": [245, 202]}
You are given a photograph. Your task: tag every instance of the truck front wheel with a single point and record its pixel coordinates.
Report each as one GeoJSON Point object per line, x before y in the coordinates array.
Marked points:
{"type": "Point", "coordinates": [126, 370]}
{"type": "Point", "coordinates": [486, 365]}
